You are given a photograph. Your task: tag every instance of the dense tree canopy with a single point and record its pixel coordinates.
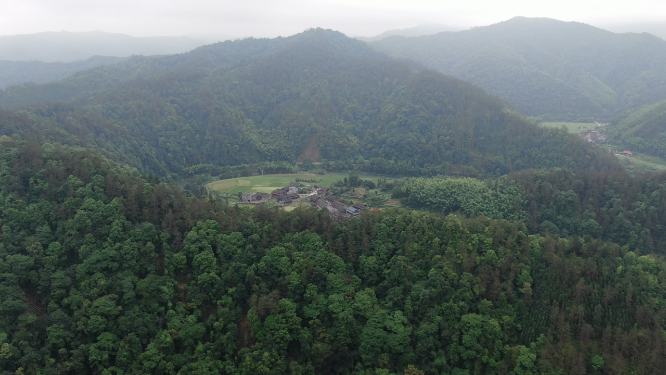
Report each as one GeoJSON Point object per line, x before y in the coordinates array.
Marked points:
{"type": "Point", "coordinates": [618, 207]}
{"type": "Point", "coordinates": [104, 272]}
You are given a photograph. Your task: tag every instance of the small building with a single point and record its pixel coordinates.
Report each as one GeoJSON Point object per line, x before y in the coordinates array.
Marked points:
{"type": "Point", "coordinates": [278, 192]}
{"type": "Point", "coordinates": [262, 197]}
{"type": "Point", "coordinates": [627, 153]}
{"type": "Point", "coordinates": [246, 197]}
{"type": "Point", "coordinates": [322, 191]}
{"type": "Point", "coordinates": [338, 205]}
{"type": "Point", "coordinates": [318, 201]}
{"type": "Point", "coordinates": [295, 184]}
{"type": "Point", "coordinates": [353, 211]}
{"type": "Point", "coordinates": [283, 199]}
{"type": "Point", "coordinates": [362, 206]}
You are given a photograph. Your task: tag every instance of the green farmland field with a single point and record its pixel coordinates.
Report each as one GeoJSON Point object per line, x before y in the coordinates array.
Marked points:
{"type": "Point", "coordinates": [268, 183]}
{"type": "Point", "coordinates": [572, 127]}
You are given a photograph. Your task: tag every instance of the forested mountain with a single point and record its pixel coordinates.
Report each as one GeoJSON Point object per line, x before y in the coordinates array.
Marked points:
{"type": "Point", "coordinates": [18, 72]}
{"type": "Point", "coordinates": [71, 46]}
{"type": "Point", "coordinates": [548, 68]}
{"type": "Point", "coordinates": [103, 271]}
{"type": "Point", "coordinates": [316, 95]}
{"type": "Point", "coordinates": [641, 129]}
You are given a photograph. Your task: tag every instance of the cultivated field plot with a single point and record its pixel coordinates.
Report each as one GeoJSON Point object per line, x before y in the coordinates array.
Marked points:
{"type": "Point", "coordinates": [572, 127]}
{"type": "Point", "coordinates": [643, 163]}
{"type": "Point", "coordinates": [268, 183]}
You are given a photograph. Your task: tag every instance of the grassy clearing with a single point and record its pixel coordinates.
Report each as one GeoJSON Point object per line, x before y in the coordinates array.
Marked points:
{"type": "Point", "coordinates": [291, 208]}
{"type": "Point", "coordinates": [640, 162]}
{"type": "Point", "coordinates": [572, 127]}
{"type": "Point", "coordinates": [393, 203]}
{"type": "Point", "coordinates": [267, 183]}
{"type": "Point", "coordinates": [643, 163]}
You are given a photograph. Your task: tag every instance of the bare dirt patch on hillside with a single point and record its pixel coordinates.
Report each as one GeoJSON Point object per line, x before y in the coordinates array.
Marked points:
{"type": "Point", "coordinates": [311, 152]}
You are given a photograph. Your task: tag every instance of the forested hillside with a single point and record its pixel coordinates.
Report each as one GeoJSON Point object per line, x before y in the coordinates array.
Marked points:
{"type": "Point", "coordinates": [553, 69]}
{"type": "Point", "coordinates": [550, 261]}
{"type": "Point", "coordinates": [103, 271]}
{"type": "Point", "coordinates": [641, 129]}
{"type": "Point", "coordinates": [255, 101]}
{"type": "Point", "coordinates": [618, 207]}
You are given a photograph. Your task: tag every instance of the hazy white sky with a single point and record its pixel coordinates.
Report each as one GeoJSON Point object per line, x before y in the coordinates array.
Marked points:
{"type": "Point", "coordinates": [269, 18]}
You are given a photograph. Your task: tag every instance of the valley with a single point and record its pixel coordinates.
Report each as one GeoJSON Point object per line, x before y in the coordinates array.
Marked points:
{"type": "Point", "coordinates": [636, 162]}
{"type": "Point", "coordinates": [316, 204]}
{"type": "Point", "coordinates": [268, 183]}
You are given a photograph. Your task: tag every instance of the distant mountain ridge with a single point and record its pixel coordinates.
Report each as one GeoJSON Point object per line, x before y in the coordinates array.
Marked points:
{"type": "Point", "coordinates": [420, 30]}
{"type": "Point", "coordinates": [656, 28]}
{"type": "Point", "coordinates": [267, 100]}
{"type": "Point", "coordinates": [558, 70]}
{"type": "Point", "coordinates": [19, 72]}
{"type": "Point", "coordinates": [71, 46]}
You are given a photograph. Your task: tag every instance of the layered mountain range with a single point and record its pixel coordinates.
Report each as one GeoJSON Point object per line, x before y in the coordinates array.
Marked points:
{"type": "Point", "coordinates": [318, 95]}
{"type": "Point", "coordinates": [106, 269]}
{"type": "Point", "coordinates": [548, 68]}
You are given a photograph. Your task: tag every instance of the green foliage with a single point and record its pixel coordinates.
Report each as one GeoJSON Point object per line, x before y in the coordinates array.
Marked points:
{"type": "Point", "coordinates": [617, 207]}
{"type": "Point", "coordinates": [640, 129]}
{"type": "Point", "coordinates": [104, 272]}
{"type": "Point", "coordinates": [467, 195]}
{"type": "Point", "coordinates": [257, 106]}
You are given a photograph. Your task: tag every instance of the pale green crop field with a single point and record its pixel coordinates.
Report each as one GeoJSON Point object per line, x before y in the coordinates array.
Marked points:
{"type": "Point", "coordinates": [572, 127]}
{"type": "Point", "coordinates": [268, 183]}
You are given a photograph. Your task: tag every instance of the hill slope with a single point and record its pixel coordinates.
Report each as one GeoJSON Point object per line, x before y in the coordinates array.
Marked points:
{"type": "Point", "coordinates": [255, 101]}
{"type": "Point", "coordinates": [559, 70]}
{"type": "Point", "coordinates": [641, 129]}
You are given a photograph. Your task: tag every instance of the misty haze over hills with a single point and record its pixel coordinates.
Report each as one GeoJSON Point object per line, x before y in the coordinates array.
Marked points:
{"type": "Point", "coordinates": [545, 67]}
{"type": "Point", "coordinates": [654, 28]}
{"type": "Point", "coordinates": [18, 72]}
{"type": "Point", "coordinates": [419, 30]}
{"type": "Point", "coordinates": [71, 46]}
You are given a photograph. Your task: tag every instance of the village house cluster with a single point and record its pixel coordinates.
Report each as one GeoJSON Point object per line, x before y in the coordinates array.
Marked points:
{"type": "Point", "coordinates": [596, 137]}
{"type": "Point", "coordinates": [318, 197]}
{"type": "Point", "coordinates": [322, 199]}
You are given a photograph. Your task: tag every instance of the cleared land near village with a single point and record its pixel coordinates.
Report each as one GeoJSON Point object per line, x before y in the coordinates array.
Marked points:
{"type": "Point", "coordinates": [572, 127]}
{"type": "Point", "coordinates": [638, 164]}
{"type": "Point", "coordinates": [268, 183]}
